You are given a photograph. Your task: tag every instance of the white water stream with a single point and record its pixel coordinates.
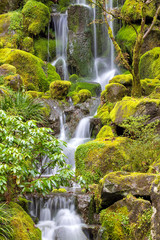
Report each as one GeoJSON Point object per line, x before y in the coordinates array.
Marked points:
{"type": "Point", "coordinates": [57, 216]}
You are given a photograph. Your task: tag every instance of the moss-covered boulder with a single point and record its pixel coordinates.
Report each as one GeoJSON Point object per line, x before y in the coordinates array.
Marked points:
{"type": "Point", "coordinates": [105, 131]}
{"type": "Point", "coordinates": [134, 107]}
{"type": "Point", "coordinates": [36, 16]}
{"type": "Point", "coordinates": [73, 78]}
{"type": "Point", "coordinates": [23, 226]}
{"type": "Point", "coordinates": [14, 81]}
{"type": "Point", "coordinates": [124, 79]}
{"type": "Point", "coordinates": [94, 88]}
{"type": "Point", "coordinates": [80, 59]}
{"type": "Point", "coordinates": [122, 183]}
{"type": "Point", "coordinates": [32, 69]}
{"type": "Point", "coordinates": [7, 69]}
{"type": "Point", "coordinates": [42, 46]}
{"type": "Point", "coordinates": [132, 9]}
{"type": "Point", "coordinates": [150, 64]}
{"type": "Point", "coordinates": [113, 92]}
{"type": "Point", "coordinates": [95, 158]}
{"type": "Point", "coordinates": [129, 218]}
{"type": "Point", "coordinates": [81, 96]}
{"type": "Point", "coordinates": [103, 113]}
{"type": "Point", "coordinates": [59, 89]}
{"type": "Point", "coordinates": [149, 85]}
{"type": "Point", "coordinates": [27, 45]}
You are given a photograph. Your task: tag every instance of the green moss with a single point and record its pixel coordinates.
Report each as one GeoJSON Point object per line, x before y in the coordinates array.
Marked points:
{"type": "Point", "coordinates": [113, 92]}
{"type": "Point", "coordinates": [41, 48]}
{"type": "Point", "coordinates": [124, 79]}
{"type": "Point", "coordinates": [132, 9]}
{"type": "Point", "coordinates": [14, 81]}
{"type": "Point", "coordinates": [95, 158]}
{"type": "Point", "coordinates": [1, 45]}
{"type": "Point", "coordinates": [128, 106]}
{"type": "Point", "coordinates": [27, 45]}
{"type": "Point", "coordinates": [7, 69]}
{"type": "Point", "coordinates": [59, 89]}
{"type": "Point", "coordinates": [73, 78]}
{"type": "Point", "coordinates": [36, 16]}
{"type": "Point", "coordinates": [60, 190]}
{"type": "Point", "coordinates": [94, 88]}
{"type": "Point", "coordinates": [148, 85]}
{"type": "Point", "coordinates": [106, 131]}
{"type": "Point", "coordinates": [155, 94]}
{"type": "Point", "coordinates": [150, 64]}
{"type": "Point", "coordinates": [63, 4]}
{"type": "Point", "coordinates": [34, 94]}
{"type": "Point", "coordinates": [81, 96]}
{"type": "Point", "coordinates": [103, 114]}
{"type": "Point", "coordinates": [126, 38]}
{"type": "Point", "coordinates": [23, 226]}
{"type": "Point", "coordinates": [32, 69]}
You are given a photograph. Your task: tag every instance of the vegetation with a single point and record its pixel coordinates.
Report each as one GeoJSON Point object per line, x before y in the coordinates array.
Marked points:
{"type": "Point", "coordinates": [23, 147]}
{"type": "Point", "coordinates": [6, 231]}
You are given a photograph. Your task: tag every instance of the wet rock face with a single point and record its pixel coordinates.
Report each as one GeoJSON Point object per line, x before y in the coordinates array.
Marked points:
{"type": "Point", "coordinates": [80, 40]}
{"type": "Point", "coordinates": [73, 114]}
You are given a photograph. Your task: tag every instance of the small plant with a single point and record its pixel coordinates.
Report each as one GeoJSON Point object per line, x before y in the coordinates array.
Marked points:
{"type": "Point", "coordinates": [6, 231]}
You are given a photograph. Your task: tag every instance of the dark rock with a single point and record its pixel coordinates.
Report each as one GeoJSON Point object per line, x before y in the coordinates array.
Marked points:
{"type": "Point", "coordinates": [95, 126]}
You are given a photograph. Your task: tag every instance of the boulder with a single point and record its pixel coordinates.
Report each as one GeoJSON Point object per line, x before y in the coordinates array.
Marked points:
{"type": "Point", "coordinates": [135, 107]}
{"type": "Point", "coordinates": [95, 158]}
{"type": "Point", "coordinates": [105, 131]}
{"type": "Point", "coordinates": [113, 92]}
{"type": "Point", "coordinates": [103, 113]}
{"type": "Point", "coordinates": [31, 68]}
{"type": "Point", "coordinates": [7, 69]}
{"type": "Point", "coordinates": [149, 85]}
{"type": "Point", "coordinates": [117, 185]}
{"type": "Point", "coordinates": [150, 64]}
{"type": "Point", "coordinates": [80, 59]}
{"type": "Point", "coordinates": [14, 81]}
{"type": "Point", "coordinates": [124, 79]}
{"type": "Point", "coordinates": [59, 89]}
{"type": "Point", "coordinates": [129, 218]}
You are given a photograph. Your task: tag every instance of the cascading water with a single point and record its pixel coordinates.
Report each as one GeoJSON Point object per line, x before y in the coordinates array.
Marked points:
{"type": "Point", "coordinates": [61, 34]}
{"type": "Point", "coordinates": [58, 219]}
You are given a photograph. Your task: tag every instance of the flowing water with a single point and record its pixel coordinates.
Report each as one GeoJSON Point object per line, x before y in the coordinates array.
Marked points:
{"type": "Point", "coordinates": [58, 219]}
{"type": "Point", "coordinates": [61, 34]}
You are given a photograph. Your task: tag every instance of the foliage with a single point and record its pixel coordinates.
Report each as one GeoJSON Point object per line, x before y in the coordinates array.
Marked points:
{"type": "Point", "coordinates": [145, 147]}
{"type": "Point", "coordinates": [21, 104]}
{"type": "Point", "coordinates": [41, 48]}
{"type": "Point", "coordinates": [6, 231]}
{"type": "Point", "coordinates": [23, 148]}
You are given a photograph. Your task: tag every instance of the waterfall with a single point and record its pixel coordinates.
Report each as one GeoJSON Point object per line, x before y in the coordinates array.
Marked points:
{"type": "Point", "coordinates": [62, 128]}
{"type": "Point", "coordinates": [58, 219]}
{"type": "Point", "coordinates": [61, 34]}
{"type": "Point", "coordinates": [81, 2]}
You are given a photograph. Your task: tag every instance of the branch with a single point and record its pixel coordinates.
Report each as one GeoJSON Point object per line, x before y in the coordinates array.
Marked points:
{"type": "Point", "coordinates": [153, 22]}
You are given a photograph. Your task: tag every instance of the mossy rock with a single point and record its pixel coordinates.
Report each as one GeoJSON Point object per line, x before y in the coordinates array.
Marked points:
{"type": "Point", "coordinates": [7, 69]}
{"type": "Point", "coordinates": [73, 78]}
{"type": "Point", "coordinates": [14, 81]}
{"type": "Point", "coordinates": [150, 64]}
{"type": "Point", "coordinates": [132, 9]}
{"type": "Point", "coordinates": [149, 85]}
{"type": "Point", "coordinates": [129, 218]}
{"type": "Point", "coordinates": [81, 96]}
{"type": "Point", "coordinates": [103, 112]}
{"type": "Point", "coordinates": [35, 94]}
{"type": "Point", "coordinates": [124, 79]}
{"type": "Point", "coordinates": [126, 38]}
{"type": "Point", "coordinates": [94, 88]}
{"type": "Point", "coordinates": [95, 158]}
{"type": "Point", "coordinates": [105, 131]}
{"type": "Point", "coordinates": [23, 226]}
{"type": "Point", "coordinates": [27, 45]}
{"type": "Point", "coordinates": [36, 16]}
{"type": "Point", "coordinates": [155, 94]}
{"type": "Point", "coordinates": [32, 69]}
{"type": "Point", "coordinates": [41, 48]}
{"type": "Point", "coordinates": [113, 92]}
{"type": "Point", "coordinates": [134, 107]}
{"type": "Point", "coordinates": [59, 89]}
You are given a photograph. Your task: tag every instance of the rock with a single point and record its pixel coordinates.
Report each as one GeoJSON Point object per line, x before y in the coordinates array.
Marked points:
{"type": "Point", "coordinates": [105, 131]}
{"type": "Point", "coordinates": [36, 17]}
{"type": "Point", "coordinates": [133, 9]}
{"type": "Point", "coordinates": [117, 185]}
{"type": "Point", "coordinates": [95, 126]}
{"type": "Point", "coordinates": [129, 218]}
{"type": "Point", "coordinates": [148, 85]}
{"type": "Point", "coordinates": [31, 68]}
{"type": "Point", "coordinates": [126, 38]}
{"type": "Point", "coordinates": [41, 48]}
{"type": "Point", "coordinates": [113, 92]}
{"type": "Point", "coordinates": [7, 69]}
{"type": "Point", "coordinates": [150, 64]}
{"type": "Point", "coordinates": [124, 79]}
{"type": "Point", "coordinates": [103, 113]}
{"type": "Point", "coordinates": [81, 96]}
{"type": "Point", "coordinates": [59, 89]}
{"type": "Point", "coordinates": [95, 158]}
{"type": "Point", "coordinates": [136, 108]}
{"type": "Point", "coordinates": [80, 34]}
{"type": "Point", "coordinates": [14, 81]}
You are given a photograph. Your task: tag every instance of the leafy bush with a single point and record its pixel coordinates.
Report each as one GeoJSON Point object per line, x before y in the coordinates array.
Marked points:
{"type": "Point", "coordinates": [23, 147]}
